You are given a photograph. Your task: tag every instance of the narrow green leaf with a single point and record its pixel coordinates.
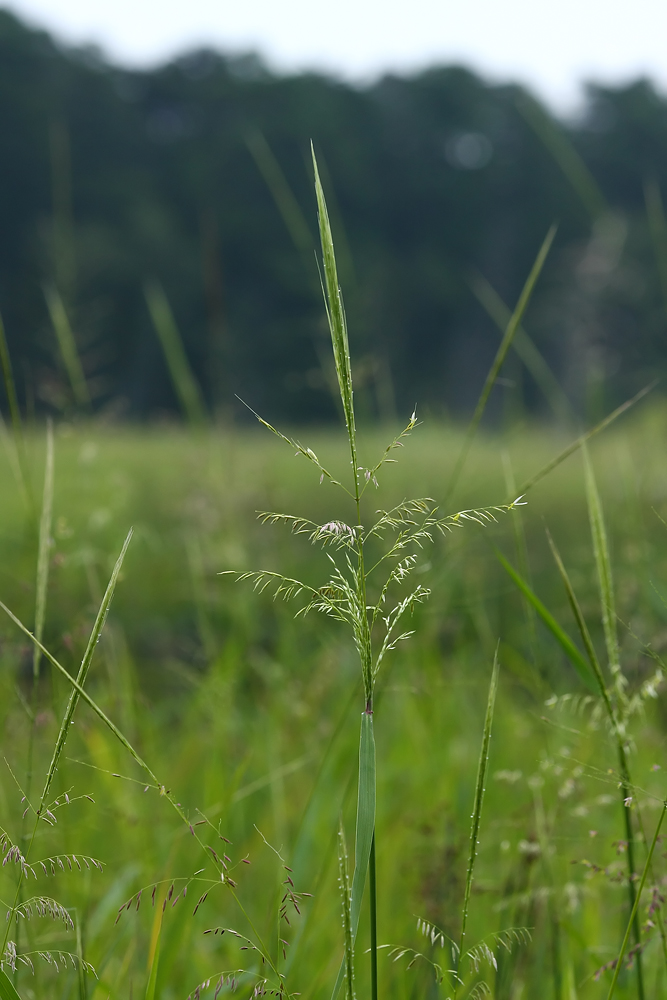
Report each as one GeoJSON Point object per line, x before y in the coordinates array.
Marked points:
{"type": "Point", "coordinates": [7, 990]}
{"type": "Point", "coordinates": [282, 194]}
{"type": "Point", "coordinates": [81, 692]}
{"type": "Point", "coordinates": [365, 829]}
{"type": "Point", "coordinates": [184, 381]}
{"type": "Point", "coordinates": [575, 445]}
{"type": "Point", "coordinates": [505, 344]}
{"type": "Point", "coordinates": [10, 385]}
{"type": "Point", "coordinates": [43, 549]}
{"type": "Point", "coordinates": [603, 566]}
{"type": "Point", "coordinates": [152, 979]}
{"type": "Point", "coordinates": [336, 316]}
{"type": "Point", "coordinates": [655, 212]}
{"type": "Point", "coordinates": [583, 629]}
{"type": "Point", "coordinates": [83, 669]}
{"type": "Point", "coordinates": [559, 634]}
{"type": "Point", "coordinates": [67, 346]}
{"type": "Point", "coordinates": [565, 155]}
{"type": "Point", "coordinates": [477, 808]}
{"type": "Point", "coordinates": [524, 346]}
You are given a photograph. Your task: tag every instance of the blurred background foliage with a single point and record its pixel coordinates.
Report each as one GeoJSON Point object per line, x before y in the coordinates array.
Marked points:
{"type": "Point", "coordinates": [196, 174]}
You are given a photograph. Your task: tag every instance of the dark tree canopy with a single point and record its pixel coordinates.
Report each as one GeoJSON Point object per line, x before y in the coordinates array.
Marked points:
{"type": "Point", "coordinates": [198, 174]}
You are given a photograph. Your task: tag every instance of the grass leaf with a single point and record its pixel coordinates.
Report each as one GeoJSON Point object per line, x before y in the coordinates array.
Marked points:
{"type": "Point", "coordinates": [505, 344]}
{"type": "Point", "coordinates": [43, 549]}
{"type": "Point", "coordinates": [184, 381]}
{"type": "Point", "coordinates": [604, 573]}
{"type": "Point", "coordinates": [559, 634]}
{"type": "Point", "coordinates": [575, 445]}
{"type": "Point", "coordinates": [67, 345]}
{"type": "Point", "coordinates": [336, 317]}
{"type": "Point", "coordinates": [477, 807]}
{"type": "Point", "coordinates": [7, 990]}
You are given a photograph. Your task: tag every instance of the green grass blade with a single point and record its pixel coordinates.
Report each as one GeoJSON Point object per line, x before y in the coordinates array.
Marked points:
{"type": "Point", "coordinates": [67, 346]}
{"type": "Point", "coordinates": [505, 344]}
{"type": "Point", "coordinates": [559, 634]}
{"type": "Point", "coordinates": [43, 549]}
{"type": "Point", "coordinates": [604, 572]}
{"type": "Point", "coordinates": [575, 445]}
{"type": "Point", "coordinates": [10, 385]}
{"type": "Point", "coordinates": [583, 629]}
{"type": "Point", "coordinates": [655, 212]}
{"type": "Point", "coordinates": [83, 669]}
{"type": "Point", "coordinates": [7, 990]}
{"type": "Point", "coordinates": [155, 963]}
{"type": "Point", "coordinates": [530, 355]}
{"type": "Point", "coordinates": [336, 317]}
{"type": "Point", "coordinates": [365, 829]}
{"type": "Point", "coordinates": [565, 155]}
{"type": "Point", "coordinates": [187, 390]}
{"type": "Point", "coordinates": [282, 193]}
{"type": "Point", "coordinates": [477, 811]}
{"type": "Point", "coordinates": [633, 914]}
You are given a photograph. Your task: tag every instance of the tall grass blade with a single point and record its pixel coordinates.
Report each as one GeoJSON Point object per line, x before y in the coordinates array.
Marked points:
{"type": "Point", "coordinates": [187, 390]}
{"type": "Point", "coordinates": [336, 318]}
{"type": "Point", "coordinates": [505, 344]}
{"type": "Point", "coordinates": [524, 346]}
{"type": "Point", "coordinates": [365, 829]}
{"type": "Point", "coordinates": [345, 892]}
{"type": "Point", "coordinates": [80, 691]}
{"type": "Point", "coordinates": [633, 916]}
{"type": "Point", "coordinates": [477, 812]}
{"type": "Point", "coordinates": [44, 546]}
{"type": "Point", "coordinates": [618, 732]}
{"type": "Point", "coordinates": [155, 964]}
{"type": "Point", "coordinates": [575, 445]}
{"type": "Point", "coordinates": [283, 196]}
{"type": "Point", "coordinates": [565, 155]}
{"type": "Point", "coordinates": [83, 669]}
{"type": "Point", "coordinates": [655, 212]}
{"type": "Point", "coordinates": [559, 634]}
{"type": "Point", "coordinates": [67, 346]}
{"type": "Point", "coordinates": [604, 573]}
{"type": "Point", "coordinates": [7, 990]}
{"type": "Point", "coordinates": [10, 385]}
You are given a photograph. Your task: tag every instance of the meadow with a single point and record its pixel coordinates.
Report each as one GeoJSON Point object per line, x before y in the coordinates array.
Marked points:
{"type": "Point", "coordinates": [248, 717]}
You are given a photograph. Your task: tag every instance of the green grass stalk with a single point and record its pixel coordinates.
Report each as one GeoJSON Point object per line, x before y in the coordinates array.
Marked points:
{"type": "Point", "coordinates": [505, 344]}
{"type": "Point", "coordinates": [183, 379]}
{"type": "Point", "coordinates": [634, 913]}
{"type": "Point", "coordinates": [476, 818]}
{"type": "Point", "coordinates": [67, 346]}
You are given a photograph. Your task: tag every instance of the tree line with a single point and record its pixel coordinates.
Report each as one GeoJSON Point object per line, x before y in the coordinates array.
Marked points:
{"type": "Point", "coordinates": [188, 188]}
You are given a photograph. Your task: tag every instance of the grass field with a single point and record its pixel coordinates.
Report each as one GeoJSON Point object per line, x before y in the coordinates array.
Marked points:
{"type": "Point", "coordinates": [250, 716]}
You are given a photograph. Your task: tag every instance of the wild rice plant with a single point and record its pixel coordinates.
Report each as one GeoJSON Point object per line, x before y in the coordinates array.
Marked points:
{"type": "Point", "coordinates": [369, 565]}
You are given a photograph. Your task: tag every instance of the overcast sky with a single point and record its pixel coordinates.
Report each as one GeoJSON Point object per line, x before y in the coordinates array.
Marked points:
{"type": "Point", "coordinates": [552, 46]}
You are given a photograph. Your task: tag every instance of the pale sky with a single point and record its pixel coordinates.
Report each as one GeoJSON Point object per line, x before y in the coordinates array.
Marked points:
{"type": "Point", "coordinates": [552, 45]}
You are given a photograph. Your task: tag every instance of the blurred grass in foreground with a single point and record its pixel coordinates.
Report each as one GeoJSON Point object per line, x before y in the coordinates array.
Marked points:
{"type": "Point", "coordinates": [243, 710]}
